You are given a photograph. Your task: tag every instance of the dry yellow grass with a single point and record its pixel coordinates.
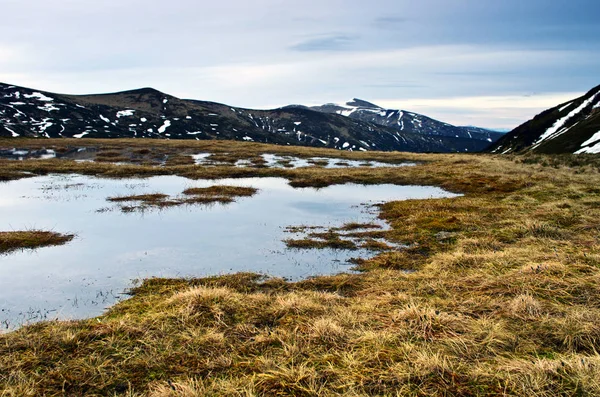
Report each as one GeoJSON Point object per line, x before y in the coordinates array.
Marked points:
{"type": "Point", "coordinates": [30, 239]}
{"type": "Point", "coordinates": [506, 301]}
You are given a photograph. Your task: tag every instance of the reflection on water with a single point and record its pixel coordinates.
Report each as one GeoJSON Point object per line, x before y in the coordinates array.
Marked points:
{"type": "Point", "coordinates": [111, 249]}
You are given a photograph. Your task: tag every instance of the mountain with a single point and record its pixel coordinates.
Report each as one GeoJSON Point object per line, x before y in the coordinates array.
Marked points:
{"type": "Point", "coordinates": [571, 127]}
{"type": "Point", "coordinates": [148, 113]}
{"type": "Point", "coordinates": [404, 121]}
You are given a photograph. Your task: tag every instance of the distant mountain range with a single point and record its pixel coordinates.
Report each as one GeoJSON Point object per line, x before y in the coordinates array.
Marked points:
{"type": "Point", "coordinates": [148, 113]}
{"type": "Point", "coordinates": [404, 121]}
{"type": "Point", "coordinates": [571, 127]}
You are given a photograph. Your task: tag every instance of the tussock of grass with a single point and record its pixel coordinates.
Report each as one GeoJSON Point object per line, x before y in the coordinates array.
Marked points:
{"type": "Point", "coordinates": [504, 299]}
{"type": "Point", "coordinates": [221, 190]}
{"type": "Point", "coordinates": [145, 198]}
{"type": "Point", "coordinates": [31, 239]}
{"type": "Point", "coordinates": [209, 195]}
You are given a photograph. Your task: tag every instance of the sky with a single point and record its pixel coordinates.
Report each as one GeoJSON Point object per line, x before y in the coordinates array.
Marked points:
{"type": "Point", "coordinates": [488, 63]}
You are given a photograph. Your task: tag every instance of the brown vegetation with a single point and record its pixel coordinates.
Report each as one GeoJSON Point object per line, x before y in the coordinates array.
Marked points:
{"type": "Point", "coordinates": [30, 239]}
{"type": "Point", "coordinates": [498, 293]}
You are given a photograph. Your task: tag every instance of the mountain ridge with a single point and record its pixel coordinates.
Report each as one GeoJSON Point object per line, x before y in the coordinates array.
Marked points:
{"type": "Point", "coordinates": [149, 113]}
{"type": "Point", "coordinates": [407, 121]}
{"type": "Point", "coordinates": [570, 127]}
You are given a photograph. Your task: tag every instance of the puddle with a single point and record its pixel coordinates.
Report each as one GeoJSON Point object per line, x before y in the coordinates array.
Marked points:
{"type": "Point", "coordinates": [292, 162]}
{"type": "Point", "coordinates": [275, 161]}
{"type": "Point", "coordinates": [77, 154]}
{"type": "Point", "coordinates": [202, 159]}
{"type": "Point", "coordinates": [111, 249]}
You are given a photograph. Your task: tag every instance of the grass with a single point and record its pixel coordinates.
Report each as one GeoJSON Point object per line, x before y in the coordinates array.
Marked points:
{"type": "Point", "coordinates": [502, 298]}
{"type": "Point", "coordinates": [30, 239]}
{"type": "Point", "coordinates": [221, 190]}
{"type": "Point", "coordinates": [209, 195]}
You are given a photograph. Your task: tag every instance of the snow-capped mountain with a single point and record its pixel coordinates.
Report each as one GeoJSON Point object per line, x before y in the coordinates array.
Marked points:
{"type": "Point", "coordinates": [148, 113]}
{"type": "Point", "coordinates": [571, 127]}
{"type": "Point", "coordinates": [405, 121]}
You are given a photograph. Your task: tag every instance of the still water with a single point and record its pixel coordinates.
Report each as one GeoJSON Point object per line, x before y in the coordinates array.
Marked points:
{"type": "Point", "coordinates": [112, 248]}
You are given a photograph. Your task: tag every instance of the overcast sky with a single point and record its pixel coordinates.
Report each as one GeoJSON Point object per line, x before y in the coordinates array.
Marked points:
{"type": "Point", "coordinates": [491, 63]}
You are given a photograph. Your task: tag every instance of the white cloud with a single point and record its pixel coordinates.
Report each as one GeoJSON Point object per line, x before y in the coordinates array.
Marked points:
{"type": "Point", "coordinates": [491, 111]}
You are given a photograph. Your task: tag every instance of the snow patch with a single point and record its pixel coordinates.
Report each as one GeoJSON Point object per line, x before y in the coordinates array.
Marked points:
{"type": "Point", "coordinates": [104, 119]}
{"type": "Point", "coordinates": [591, 149]}
{"type": "Point", "coordinates": [48, 107]}
{"type": "Point", "coordinates": [143, 119]}
{"type": "Point", "coordinates": [164, 127]}
{"type": "Point", "coordinates": [125, 113]}
{"type": "Point", "coordinates": [594, 138]}
{"type": "Point", "coordinates": [247, 138]}
{"type": "Point", "coordinates": [566, 106]}
{"type": "Point", "coordinates": [39, 96]}
{"type": "Point", "coordinates": [14, 134]}
{"type": "Point", "coordinates": [81, 135]}
{"type": "Point", "coordinates": [555, 130]}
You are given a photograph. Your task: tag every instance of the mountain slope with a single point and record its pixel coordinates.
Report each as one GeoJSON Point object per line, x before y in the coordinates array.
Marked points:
{"type": "Point", "coordinates": [405, 121]}
{"type": "Point", "coordinates": [571, 127]}
{"type": "Point", "coordinates": [148, 113]}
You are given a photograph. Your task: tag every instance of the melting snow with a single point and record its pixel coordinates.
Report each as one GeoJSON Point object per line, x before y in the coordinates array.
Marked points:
{"type": "Point", "coordinates": [164, 127]}
{"type": "Point", "coordinates": [555, 130]}
{"type": "Point", "coordinates": [125, 113]}
{"type": "Point", "coordinates": [566, 106]}
{"type": "Point", "coordinates": [143, 119]}
{"type": "Point", "coordinates": [81, 135]}
{"type": "Point", "coordinates": [39, 96]}
{"type": "Point", "coordinates": [104, 119]}
{"type": "Point", "coordinates": [594, 138]}
{"type": "Point", "coordinates": [14, 134]}
{"type": "Point", "coordinates": [188, 117]}
{"type": "Point", "coordinates": [247, 138]}
{"type": "Point", "coordinates": [346, 145]}
{"type": "Point", "coordinates": [48, 107]}
{"type": "Point", "coordinates": [165, 100]}
{"type": "Point", "coordinates": [591, 149]}
{"type": "Point", "coordinates": [297, 122]}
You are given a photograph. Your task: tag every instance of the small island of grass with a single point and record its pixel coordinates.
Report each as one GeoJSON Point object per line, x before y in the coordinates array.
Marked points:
{"type": "Point", "coordinates": [31, 239]}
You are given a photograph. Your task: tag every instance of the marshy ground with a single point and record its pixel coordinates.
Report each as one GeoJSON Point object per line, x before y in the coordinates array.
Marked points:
{"type": "Point", "coordinates": [496, 293]}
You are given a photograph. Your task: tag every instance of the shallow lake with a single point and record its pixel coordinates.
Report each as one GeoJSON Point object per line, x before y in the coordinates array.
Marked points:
{"type": "Point", "coordinates": [113, 248]}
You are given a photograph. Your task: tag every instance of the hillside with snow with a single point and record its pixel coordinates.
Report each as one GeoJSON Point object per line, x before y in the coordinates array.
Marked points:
{"type": "Point", "coordinates": [571, 127]}
{"type": "Point", "coordinates": [405, 121]}
{"type": "Point", "coordinates": [148, 113]}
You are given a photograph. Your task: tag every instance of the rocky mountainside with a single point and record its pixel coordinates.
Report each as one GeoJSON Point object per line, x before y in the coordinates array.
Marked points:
{"type": "Point", "coordinates": [404, 121]}
{"type": "Point", "coordinates": [148, 113]}
{"type": "Point", "coordinates": [571, 127]}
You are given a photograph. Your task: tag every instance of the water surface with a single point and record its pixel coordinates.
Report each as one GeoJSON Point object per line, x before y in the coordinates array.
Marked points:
{"type": "Point", "coordinates": [112, 248]}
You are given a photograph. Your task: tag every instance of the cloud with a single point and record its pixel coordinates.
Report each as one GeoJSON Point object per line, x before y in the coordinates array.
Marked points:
{"type": "Point", "coordinates": [506, 111]}
{"type": "Point", "coordinates": [390, 22]}
{"type": "Point", "coordinates": [326, 43]}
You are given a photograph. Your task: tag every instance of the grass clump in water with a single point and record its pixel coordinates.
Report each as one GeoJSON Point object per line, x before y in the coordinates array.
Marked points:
{"type": "Point", "coordinates": [31, 239]}
{"type": "Point", "coordinates": [208, 195]}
